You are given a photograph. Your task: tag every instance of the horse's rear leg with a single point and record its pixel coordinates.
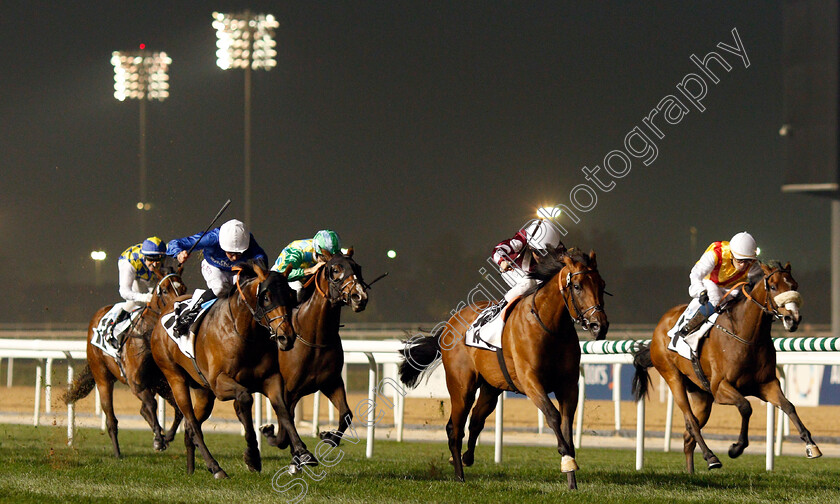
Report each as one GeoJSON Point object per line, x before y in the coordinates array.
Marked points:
{"type": "Point", "coordinates": [105, 384]}
{"type": "Point", "coordinates": [192, 436]}
{"type": "Point", "coordinates": [692, 434]}
{"type": "Point", "coordinates": [462, 395]}
{"type": "Point", "coordinates": [337, 395]}
{"type": "Point", "coordinates": [164, 391]}
{"type": "Point", "coordinates": [485, 405]}
{"type": "Point", "coordinates": [727, 394]}
{"type": "Point", "coordinates": [772, 393]}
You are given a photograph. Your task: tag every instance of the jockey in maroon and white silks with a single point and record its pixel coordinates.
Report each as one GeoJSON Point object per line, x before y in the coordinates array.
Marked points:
{"type": "Point", "coordinates": [515, 256]}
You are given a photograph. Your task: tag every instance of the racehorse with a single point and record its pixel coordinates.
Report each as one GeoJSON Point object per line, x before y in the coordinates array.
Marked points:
{"type": "Point", "coordinates": [235, 356]}
{"type": "Point", "coordinates": [738, 358]}
{"type": "Point", "coordinates": [315, 362]}
{"type": "Point", "coordinates": [541, 352]}
{"type": "Point", "coordinates": [141, 374]}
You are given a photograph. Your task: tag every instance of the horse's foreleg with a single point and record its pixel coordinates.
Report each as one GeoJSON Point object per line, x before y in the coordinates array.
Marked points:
{"type": "Point", "coordinates": [692, 434]}
{"type": "Point", "coordinates": [288, 434]}
{"type": "Point", "coordinates": [567, 399]}
{"type": "Point", "coordinates": [484, 405]}
{"type": "Point", "coordinates": [772, 393]}
{"type": "Point", "coordinates": [225, 387]}
{"type": "Point", "coordinates": [148, 410]}
{"type": "Point", "coordinates": [337, 395]}
{"type": "Point", "coordinates": [536, 392]}
{"type": "Point", "coordinates": [727, 394]}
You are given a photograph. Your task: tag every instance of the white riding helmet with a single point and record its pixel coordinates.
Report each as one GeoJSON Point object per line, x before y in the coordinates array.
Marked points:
{"type": "Point", "coordinates": [743, 246]}
{"type": "Point", "coordinates": [541, 235]}
{"type": "Point", "coordinates": [234, 237]}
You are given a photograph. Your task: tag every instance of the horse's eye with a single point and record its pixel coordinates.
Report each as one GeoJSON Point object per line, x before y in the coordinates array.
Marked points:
{"type": "Point", "coordinates": [772, 287]}
{"type": "Point", "coordinates": [577, 286]}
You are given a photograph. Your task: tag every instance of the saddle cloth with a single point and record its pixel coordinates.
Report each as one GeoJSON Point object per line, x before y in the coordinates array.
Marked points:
{"type": "Point", "coordinates": [101, 338]}
{"type": "Point", "coordinates": [486, 330]}
{"type": "Point", "coordinates": [685, 346]}
{"type": "Point", "coordinates": [185, 343]}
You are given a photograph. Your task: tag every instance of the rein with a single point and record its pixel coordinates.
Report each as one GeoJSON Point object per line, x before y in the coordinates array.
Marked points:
{"type": "Point", "coordinates": [580, 317]}
{"type": "Point", "coordinates": [343, 297]}
{"type": "Point", "coordinates": [259, 313]}
{"type": "Point", "coordinates": [772, 310]}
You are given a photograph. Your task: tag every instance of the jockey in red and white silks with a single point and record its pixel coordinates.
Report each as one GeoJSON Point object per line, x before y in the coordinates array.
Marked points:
{"type": "Point", "coordinates": [515, 256]}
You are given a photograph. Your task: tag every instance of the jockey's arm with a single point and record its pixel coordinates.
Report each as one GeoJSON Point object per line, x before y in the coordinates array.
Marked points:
{"type": "Point", "coordinates": [508, 250]}
{"type": "Point", "coordinates": [127, 277]}
{"type": "Point", "coordinates": [703, 267]}
{"type": "Point", "coordinates": [292, 256]}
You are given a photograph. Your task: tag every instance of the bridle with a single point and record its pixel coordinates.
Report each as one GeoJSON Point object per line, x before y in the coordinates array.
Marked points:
{"type": "Point", "coordinates": [261, 313]}
{"type": "Point", "coordinates": [581, 315]}
{"type": "Point", "coordinates": [769, 307]}
{"type": "Point", "coordinates": [338, 293]}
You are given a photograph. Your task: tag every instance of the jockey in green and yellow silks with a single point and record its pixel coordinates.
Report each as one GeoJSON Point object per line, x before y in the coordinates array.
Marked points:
{"type": "Point", "coordinates": [306, 256]}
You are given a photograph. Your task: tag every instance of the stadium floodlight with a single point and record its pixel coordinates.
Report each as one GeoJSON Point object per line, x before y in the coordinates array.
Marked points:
{"type": "Point", "coordinates": [246, 41]}
{"type": "Point", "coordinates": [143, 76]}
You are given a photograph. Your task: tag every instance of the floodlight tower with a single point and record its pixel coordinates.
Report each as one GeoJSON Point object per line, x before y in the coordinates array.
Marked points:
{"type": "Point", "coordinates": [246, 41]}
{"type": "Point", "coordinates": [143, 76]}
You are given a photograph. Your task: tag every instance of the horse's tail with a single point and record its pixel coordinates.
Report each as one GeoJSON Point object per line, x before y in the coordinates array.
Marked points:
{"type": "Point", "coordinates": [419, 357]}
{"type": "Point", "coordinates": [641, 380]}
{"type": "Point", "coordinates": [80, 387]}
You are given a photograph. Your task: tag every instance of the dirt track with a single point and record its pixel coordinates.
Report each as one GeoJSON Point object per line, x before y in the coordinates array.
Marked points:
{"type": "Point", "coordinates": [598, 415]}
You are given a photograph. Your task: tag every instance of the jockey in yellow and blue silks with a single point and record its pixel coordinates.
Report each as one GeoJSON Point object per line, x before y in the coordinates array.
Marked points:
{"type": "Point", "coordinates": [722, 266]}
{"type": "Point", "coordinates": [137, 266]}
{"type": "Point", "coordinates": [306, 256]}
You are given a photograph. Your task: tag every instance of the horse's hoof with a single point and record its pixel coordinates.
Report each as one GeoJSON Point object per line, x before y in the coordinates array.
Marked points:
{"type": "Point", "coordinates": [253, 461]}
{"type": "Point", "coordinates": [329, 438]}
{"type": "Point", "coordinates": [467, 459]}
{"type": "Point", "coordinates": [736, 450]}
{"type": "Point", "coordinates": [812, 451]}
{"type": "Point", "coordinates": [568, 464]}
{"type": "Point", "coordinates": [220, 474]}
{"type": "Point", "coordinates": [305, 459]}
{"type": "Point", "coordinates": [294, 469]}
{"type": "Point", "coordinates": [267, 430]}
{"type": "Point", "coordinates": [159, 445]}
{"type": "Point", "coordinates": [714, 463]}
{"type": "Point", "coordinates": [451, 460]}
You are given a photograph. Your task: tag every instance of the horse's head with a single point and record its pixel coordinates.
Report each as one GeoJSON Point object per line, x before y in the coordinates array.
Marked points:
{"type": "Point", "coordinates": [346, 285]}
{"type": "Point", "coordinates": [583, 289]}
{"type": "Point", "coordinates": [170, 285]}
{"type": "Point", "coordinates": [273, 303]}
{"type": "Point", "coordinates": [783, 300]}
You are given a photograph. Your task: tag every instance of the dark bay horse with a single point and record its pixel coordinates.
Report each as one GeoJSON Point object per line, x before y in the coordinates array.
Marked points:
{"type": "Point", "coordinates": [540, 348]}
{"type": "Point", "coordinates": [142, 374]}
{"type": "Point", "coordinates": [315, 362]}
{"type": "Point", "coordinates": [738, 358]}
{"type": "Point", "coordinates": [235, 356]}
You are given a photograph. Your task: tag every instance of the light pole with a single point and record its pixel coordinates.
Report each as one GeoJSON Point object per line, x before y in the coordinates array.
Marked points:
{"type": "Point", "coordinates": [246, 41]}
{"type": "Point", "coordinates": [143, 76]}
{"type": "Point", "coordinates": [98, 256]}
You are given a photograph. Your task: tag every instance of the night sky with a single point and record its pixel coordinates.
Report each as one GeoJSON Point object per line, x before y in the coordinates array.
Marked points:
{"type": "Point", "coordinates": [432, 128]}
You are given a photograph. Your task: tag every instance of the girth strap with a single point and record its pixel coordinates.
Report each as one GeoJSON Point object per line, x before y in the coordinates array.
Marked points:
{"type": "Point", "coordinates": [500, 355]}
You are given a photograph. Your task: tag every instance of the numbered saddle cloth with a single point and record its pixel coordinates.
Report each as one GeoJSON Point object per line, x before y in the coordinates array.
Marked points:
{"type": "Point", "coordinates": [185, 343]}
{"type": "Point", "coordinates": [685, 345]}
{"type": "Point", "coordinates": [486, 331]}
{"type": "Point", "coordinates": [106, 334]}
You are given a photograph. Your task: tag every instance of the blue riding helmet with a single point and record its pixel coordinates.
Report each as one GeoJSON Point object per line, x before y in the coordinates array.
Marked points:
{"type": "Point", "coordinates": [153, 248]}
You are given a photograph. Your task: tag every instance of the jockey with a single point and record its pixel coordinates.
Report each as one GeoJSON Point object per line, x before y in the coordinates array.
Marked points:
{"type": "Point", "coordinates": [306, 257]}
{"type": "Point", "coordinates": [223, 248]}
{"type": "Point", "coordinates": [516, 256]}
{"type": "Point", "coordinates": [721, 266]}
{"type": "Point", "coordinates": [137, 266]}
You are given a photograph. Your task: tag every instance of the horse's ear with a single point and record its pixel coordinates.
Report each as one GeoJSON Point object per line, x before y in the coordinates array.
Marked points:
{"type": "Point", "coordinates": [327, 255]}
{"type": "Point", "coordinates": [288, 270]}
{"type": "Point", "coordinates": [260, 272]}
{"type": "Point", "coordinates": [592, 260]}
{"type": "Point", "coordinates": [349, 252]}
{"type": "Point", "coordinates": [568, 260]}
{"type": "Point", "coordinates": [787, 266]}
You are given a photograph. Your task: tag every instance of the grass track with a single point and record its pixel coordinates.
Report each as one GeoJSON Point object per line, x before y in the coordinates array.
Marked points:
{"type": "Point", "coordinates": [37, 467]}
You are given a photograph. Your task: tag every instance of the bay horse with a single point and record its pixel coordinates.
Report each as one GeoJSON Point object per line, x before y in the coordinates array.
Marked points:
{"type": "Point", "coordinates": [738, 358]}
{"type": "Point", "coordinates": [315, 362]}
{"type": "Point", "coordinates": [540, 348]}
{"type": "Point", "coordinates": [141, 373]}
{"type": "Point", "coordinates": [235, 356]}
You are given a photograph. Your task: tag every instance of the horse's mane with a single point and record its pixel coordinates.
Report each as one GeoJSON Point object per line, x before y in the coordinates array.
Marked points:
{"type": "Point", "coordinates": [550, 265]}
{"type": "Point", "coordinates": [246, 272]}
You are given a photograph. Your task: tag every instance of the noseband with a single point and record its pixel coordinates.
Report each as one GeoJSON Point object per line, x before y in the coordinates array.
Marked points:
{"type": "Point", "coordinates": [259, 313]}
{"type": "Point", "coordinates": [580, 317]}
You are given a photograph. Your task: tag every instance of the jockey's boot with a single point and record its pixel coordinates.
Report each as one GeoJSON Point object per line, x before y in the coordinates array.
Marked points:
{"type": "Point", "coordinates": [185, 319]}
{"type": "Point", "coordinates": [690, 326]}
{"type": "Point", "coordinates": [113, 339]}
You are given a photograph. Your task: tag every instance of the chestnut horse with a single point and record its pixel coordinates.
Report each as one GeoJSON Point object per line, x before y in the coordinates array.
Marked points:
{"type": "Point", "coordinates": [141, 373]}
{"type": "Point", "coordinates": [315, 362]}
{"type": "Point", "coordinates": [540, 348]}
{"type": "Point", "coordinates": [235, 356]}
{"type": "Point", "coordinates": [738, 358]}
